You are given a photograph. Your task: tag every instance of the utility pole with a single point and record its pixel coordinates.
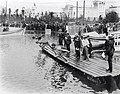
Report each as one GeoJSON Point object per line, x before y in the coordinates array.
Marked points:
{"type": "Point", "coordinates": [76, 11]}
{"type": "Point", "coordinates": [84, 12]}
{"type": "Point", "coordinates": [6, 10]}
{"type": "Point", "coordinates": [6, 7]}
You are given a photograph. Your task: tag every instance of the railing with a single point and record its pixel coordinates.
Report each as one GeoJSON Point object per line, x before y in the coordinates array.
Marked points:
{"type": "Point", "coordinates": [117, 38]}
{"type": "Point", "coordinates": [116, 58]}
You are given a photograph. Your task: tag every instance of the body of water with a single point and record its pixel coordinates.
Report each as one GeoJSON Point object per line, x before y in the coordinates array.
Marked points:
{"type": "Point", "coordinates": [25, 69]}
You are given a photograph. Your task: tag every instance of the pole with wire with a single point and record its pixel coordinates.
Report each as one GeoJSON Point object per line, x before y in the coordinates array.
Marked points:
{"type": "Point", "coordinates": [84, 12]}
{"type": "Point", "coordinates": [76, 11]}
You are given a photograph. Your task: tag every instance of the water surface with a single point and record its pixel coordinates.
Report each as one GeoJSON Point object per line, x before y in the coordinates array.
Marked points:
{"type": "Point", "coordinates": [25, 69]}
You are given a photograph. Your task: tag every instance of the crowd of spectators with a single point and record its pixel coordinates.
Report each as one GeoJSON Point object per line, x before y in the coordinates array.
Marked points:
{"type": "Point", "coordinates": [38, 27]}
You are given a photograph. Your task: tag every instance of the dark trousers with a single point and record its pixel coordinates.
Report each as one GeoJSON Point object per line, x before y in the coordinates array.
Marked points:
{"type": "Point", "coordinates": [110, 62]}
{"type": "Point", "coordinates": [106, 33]}
{"type": "Point", "coordinates": [77, 53]}
{"type": "Point", "coordinates": [68, 47]}
{"type": "Point", "coordinates": [90, 50]}
{"type": "Point", "coordinates": [60, 41]}
{"type": "Point", "coordinates": [85, 53]}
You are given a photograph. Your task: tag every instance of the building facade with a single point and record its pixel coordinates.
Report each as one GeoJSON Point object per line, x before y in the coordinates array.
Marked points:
{"type": "Point", "coordinates": [91, 13]}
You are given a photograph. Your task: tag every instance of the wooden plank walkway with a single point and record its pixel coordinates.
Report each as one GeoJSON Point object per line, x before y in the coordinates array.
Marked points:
{"type": "Point", "coordinates": [95, 67]}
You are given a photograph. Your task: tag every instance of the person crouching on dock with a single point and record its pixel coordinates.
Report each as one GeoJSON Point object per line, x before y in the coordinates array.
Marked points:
{"type": "Point", "coordinates": [77, 44]}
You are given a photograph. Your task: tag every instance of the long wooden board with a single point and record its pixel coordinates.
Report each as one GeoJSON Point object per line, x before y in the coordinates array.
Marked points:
{"type": "Point", "coordinates": [95, 67]}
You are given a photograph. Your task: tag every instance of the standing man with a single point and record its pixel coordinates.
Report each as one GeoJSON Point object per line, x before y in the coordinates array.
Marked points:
{"type": "Point", "coordinates": [109, 47]}
{"type": "Point", "coordinates": [64, 35]}
{"type": "Point", "coordinates": [77, 44]}
{"type": "Point", "coordinates": [90, 48]}
{"type": "Point", "coordinates": [67, 41]}
{"type": "Point", "coordinates": [86, 46]}
{"type": "Point", "coordinates": [105, 30]}
{"type": "Point", "coordinates": [61, 37]}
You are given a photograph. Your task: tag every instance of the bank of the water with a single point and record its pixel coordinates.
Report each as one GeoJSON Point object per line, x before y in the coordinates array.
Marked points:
{"type": "Point", "coordinates": [25, 69]}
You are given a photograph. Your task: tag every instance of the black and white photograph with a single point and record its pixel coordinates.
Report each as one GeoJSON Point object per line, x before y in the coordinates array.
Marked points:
{"type": "Point", "coordinates": [59, 46]}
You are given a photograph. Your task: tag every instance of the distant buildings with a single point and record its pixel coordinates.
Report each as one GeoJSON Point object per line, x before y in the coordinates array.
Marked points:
{"type": "Point", "coordinates": [91, 13]}
{"type": "Point", "coordinates": [68, 10]}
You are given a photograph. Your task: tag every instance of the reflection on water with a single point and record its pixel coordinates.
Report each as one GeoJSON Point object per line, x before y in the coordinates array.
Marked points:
{"type": "Point", "coordinates": [25, 69]}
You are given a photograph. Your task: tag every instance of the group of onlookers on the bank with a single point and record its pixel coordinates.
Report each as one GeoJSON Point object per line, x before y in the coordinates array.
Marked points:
{"type": "Point", "coordinates": [83, 45]}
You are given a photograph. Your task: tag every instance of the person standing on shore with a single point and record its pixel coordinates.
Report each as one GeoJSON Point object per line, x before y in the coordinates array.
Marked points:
{"type": "Point", "coordinates": [109, 47]}
{"type": "Point", "coordinates": [105, 30]}
{"type": "Point", "coordinates": [77, 44]}
{"type": "Point", "coordinates": [61, 37]}
{"type": "Point", "coordinates": [86, 46]}
{"type": "Point", "coordinates": [64, 35]}
{"type": "Point", "coordinates": [67, 41]}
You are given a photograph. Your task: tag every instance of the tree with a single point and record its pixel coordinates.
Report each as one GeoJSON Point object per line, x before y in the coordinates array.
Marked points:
{"type": "Point", "coordinates": [46, 14]}
{"type": "Point", "coordinates": [100, 18]}
{"type": "Point", "coordinates": [51, 14]}
{"type": "Point", "coordinates": [16, 12]}
{"type": "Point", "coordinates": [4, 13]}
{"type": "Point", "coordinates": [9, 11]}
{"type": "Point", "coordinates": [112, 17]}
{"type": "Point", "coordinates": [23, 11]}
{"type": "Point", "coordinates": [42, 14]}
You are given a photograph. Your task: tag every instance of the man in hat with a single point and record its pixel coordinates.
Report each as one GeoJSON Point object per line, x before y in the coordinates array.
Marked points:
{"type": "Point", "coordinates": [77, 44]}
{"type": "Point", "coordinates": [105, 30]}
{"type": "Point", "coordinates": [86, 46]}
{"type": "Point", "coordinates": [67, 41]}
{"type": "Point", "coordinates": [61, 37]}
{"type": "Point", "coordinates": [109, 47]}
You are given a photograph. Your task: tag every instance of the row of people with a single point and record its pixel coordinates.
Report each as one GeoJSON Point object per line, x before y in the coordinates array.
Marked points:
{"type": "Point", "coordinates": [80, 43]}
{"type": "Point", "coordinates": [83, 43]}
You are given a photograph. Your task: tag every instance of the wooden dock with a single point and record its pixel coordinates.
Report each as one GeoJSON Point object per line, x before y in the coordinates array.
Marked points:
{"type": "Point", "coordinates": [94, 69]}
{"type": "Point", "coordinates": [95, 66]}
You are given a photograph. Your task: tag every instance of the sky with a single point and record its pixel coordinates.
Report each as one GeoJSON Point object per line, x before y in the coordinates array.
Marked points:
{"type": "Point", "coordinates": [49, 5]}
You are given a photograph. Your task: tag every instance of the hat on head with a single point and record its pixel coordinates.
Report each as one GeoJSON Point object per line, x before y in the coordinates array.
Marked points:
{"type": "Point", "coordinates": [67, 33]}
{"type": "Point", "coordinates": [76, 34]}
{"type": "Point", "coordinates": [60, 30]}
{"type": "Point", "coordinates": [53, 45]}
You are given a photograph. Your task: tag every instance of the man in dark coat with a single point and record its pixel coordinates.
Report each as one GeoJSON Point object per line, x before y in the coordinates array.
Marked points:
{"type": "Point", "coordinates": [109, 47]}
{"type": "Point", "coordinates": [61, 37]}
{"type": "Point", "coordinates": [67, 41]}
{"type": "Point", "coordinates": [90, 48]}
{"type": "Point", "coordinates": [105, 30]}
{"type": "Point", "coordinates": [64, 35]}
{"type": "Point", "coordinates": [77, 44]}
